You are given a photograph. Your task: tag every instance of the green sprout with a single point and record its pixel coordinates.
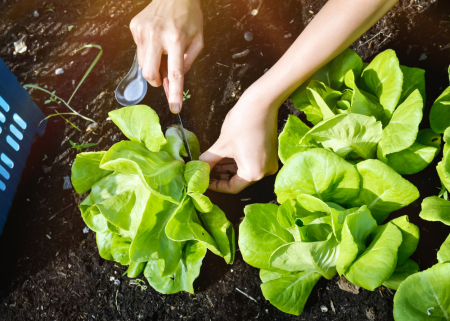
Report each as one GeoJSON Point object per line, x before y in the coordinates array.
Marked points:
{"type": "Point", "coordinates": [81, 146]}
{"type": "Point", "coordinates": [45, 157]}
{"type": "Point", "coordinates": [54, 98]}
{"type": "Point", "coordinates": [49, 9]}
{"type": "Point", "coordinates": [186, 95]}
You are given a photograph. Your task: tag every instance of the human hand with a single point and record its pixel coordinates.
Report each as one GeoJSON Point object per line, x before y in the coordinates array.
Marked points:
{"type": "Point", "coordinates": [173, 28]}
{"type": "Point", "coordinates": [247, 146]}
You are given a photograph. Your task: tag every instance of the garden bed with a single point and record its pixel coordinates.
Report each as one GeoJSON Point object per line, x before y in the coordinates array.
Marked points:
{"type": "Point", "coordinates": [51, 269]}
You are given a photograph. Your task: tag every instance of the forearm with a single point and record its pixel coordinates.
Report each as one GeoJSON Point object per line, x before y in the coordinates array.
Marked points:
{"type": "Point", "coordinates": [335, 27]}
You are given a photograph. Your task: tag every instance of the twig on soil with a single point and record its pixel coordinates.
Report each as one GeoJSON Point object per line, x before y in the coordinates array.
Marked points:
{"type": "Point", "coordinates": [210, 300]}
{"type": "Point", "coordinates": [222, 64]}
{"type": "Point", "coordinates": [248, 296]}
{"type": "Point", "coordinates": [385, 39]}
{"type": "Point", "coordinates": [117, 306]}
{"type": "Point", "coordinates": [372, 38]}
{"type": "Point", "coordinates": [203, 58]}
{"type": "Point", "coordinates": [53, 216]}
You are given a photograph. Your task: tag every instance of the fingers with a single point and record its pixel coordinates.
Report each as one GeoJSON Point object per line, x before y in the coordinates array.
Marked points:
{"type": "Point", "coordinates": [226, 168]}
{"type": "Point", "coordinates": [211, 158]}
{"type": "Point", "coordinates": [192, 52]}
{"type": "Point", "coordinates": [151, 65]}
{"type": "Point", "coordinates": [232, 186]}
{"type": "Point", "coordinates": [175, 64]}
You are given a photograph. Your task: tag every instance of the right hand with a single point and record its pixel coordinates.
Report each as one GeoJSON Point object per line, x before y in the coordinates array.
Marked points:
{"type": "Point", "coordinates": [173, 28]}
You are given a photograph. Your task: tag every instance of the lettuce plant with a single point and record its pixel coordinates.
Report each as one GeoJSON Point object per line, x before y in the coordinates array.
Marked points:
{"type": "Point", "coordinates": [330, 221]}
{"type": "Point", "coordinates": [363, 112]}
{"type": "Point", "coordinates": [424, 295]}
{"type": "Point", "coordinates": [147, 206]}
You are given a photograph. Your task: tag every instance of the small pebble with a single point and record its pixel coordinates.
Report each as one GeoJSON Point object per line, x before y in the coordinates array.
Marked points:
{"type": "Point", "coordinates": [241, 54]}
{"type": "Point", "coordinates": [248, 36]}
{"type": "Point", "coordinates": [108, 119]}
{"type": "Point", "coordinates": [111, 278]}
{"type": "Point", "coordinates": [288, 35]}
{"type": "Point", "coordinates": [86, 230]}
{"type": "Point", "coordinates": [254, 12]}
{"type": "Point", "coordinates": [67, 184]}
{"type": "Point", "coordinates": [323, 308]}
{"type": "Point", "coordinates": [423, 57]}
{"type": "Point", "coordinates": [116, 282]}
{"type": "Point", "coordinates": [231, 270]}
{"type": "Point", "coordinates": [59, 71]}
{"type": "Point", "coordinates": [35, 14]}
{"type": "Point", "coordinates": [92, 127]}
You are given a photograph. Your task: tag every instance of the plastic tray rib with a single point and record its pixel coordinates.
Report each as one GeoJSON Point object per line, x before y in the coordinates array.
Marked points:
{"type": "Point", "coordinates": [20, 121]}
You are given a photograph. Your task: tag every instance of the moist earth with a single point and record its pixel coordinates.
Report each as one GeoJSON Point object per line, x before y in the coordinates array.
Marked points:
{"type": "Point", "coordinates": [51, 269]}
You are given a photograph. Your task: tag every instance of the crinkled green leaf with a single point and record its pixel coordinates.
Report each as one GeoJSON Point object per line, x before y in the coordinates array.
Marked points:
{"type": "Point", "coordinates": [121, 199]}
{"type": "Point", "coordinates": [440, 112]}
{"type": "Point", "coordinates": [140, 124]}
{"type": "Point", "coordinates": [347, 133]}
{"type": "Point", "coordinates": [151, 242]}
{"type": "Point", "coordinates": [383, 190]}
{"type": "Point", "coordinates": [411, 160]}
{"type": "Point", "coordinates": [222, 230]}
{"type": "Point", "coordinates": [196, 175]}
{"type": "Point", "coordinates": [443, 168]}
{"type": "Point", "coordinates": [364, 103]}
{"type": "Point", "coordinates": [260, 234]}
{"type": "Point", "coordinates": [413, 78]}
{"type": "Point", "coordinates": [401, 272]}
{"type": "Point", "coordinates": [424, 296]}
{"type": "Point", "coordinates": [120, 249]}
{"type": "Point", "coordinates": [104, 243]}
{"type": "Point", "coordinates": [201, 202]}
{"type": "Point", "coordinates": [287, 216]}
{"type": "Point", "coordinates": [289, 293]}
{"type": "Point", "coordinates": [428, 137]}
{"type": "Point", "coordinates": [86, 171]}
{"type": "Point", "coordinates": [160, 173]}
{"type": "Point", "coordinates": [443, 254]}
{"type": "Point", "coordinates": [436, 209]}
{"type": "Point", "coordinates": [323, 97]}
{"type": "Point", "coordinates": [185, 225]}
{"type": "Point", "coordinates": [135, 268]}
{"type": "Point", "coordinates": [332, 75]}
{"type": "Point", "coordinates": [377, 263]}
{"type": "Point", "coordinates": [317, 257]}
{"type": "Point", "coordinates": [183, 278]}
{"type": "Point", "coordinates": [175, 145]}
{"type": "Point", "coordinates": [320, 173]}
{"type": "Point", "coordinates": [92, 216]}
{"type": "Point", "coordinates": [357, 228]}
{"type": "Point", "coordinates": [402, 130]}
{"type": "Point", "coordinates": [410, 237]}
{"type": "Point", "coordinates": [338, 219]}
{"type": "Point", "coordinates": [289, 139]}
{"type": "Point", "coordinates": [384, 79]}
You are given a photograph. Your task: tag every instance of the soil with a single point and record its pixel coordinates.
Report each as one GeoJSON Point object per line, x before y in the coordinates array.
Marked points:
{"type": "Point", "coordinates": [51, 269]}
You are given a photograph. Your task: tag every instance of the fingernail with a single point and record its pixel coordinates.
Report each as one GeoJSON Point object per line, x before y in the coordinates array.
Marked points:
{"type": "Point", "coordinates": [175, 108]}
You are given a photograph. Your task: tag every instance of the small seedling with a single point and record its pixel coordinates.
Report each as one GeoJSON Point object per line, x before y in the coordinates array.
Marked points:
{"type": "Point", "coordinates": [49, 9]}
{"type": "Point", "coordinates": [45, 157]}
{"type": "Point", "coordinates": [443, 193]}
{"type": "Point", "coordinates": [140, 283]}
{"type": "Point", "coordinates": [81, 146]}
{"type": "Point", "coordinates": [54, 98]}
{"type": "Point", "coordinates": [186, 95]}
{"type": "Point", "coordinates": [70, 28]}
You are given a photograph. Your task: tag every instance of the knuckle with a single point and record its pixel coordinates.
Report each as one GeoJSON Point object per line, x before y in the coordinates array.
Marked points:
{"type": "Point", "coordinates": [175, 75]}
{"type": "Point", "coordinates": [256, 175]}
{"type": "Point", "coordinates": [149, 75]}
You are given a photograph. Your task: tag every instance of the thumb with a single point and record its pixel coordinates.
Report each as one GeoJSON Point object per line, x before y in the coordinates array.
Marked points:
{"type": "Point", "coordinates": [211, 158]}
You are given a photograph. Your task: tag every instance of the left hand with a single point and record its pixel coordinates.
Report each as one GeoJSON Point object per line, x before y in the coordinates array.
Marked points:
{"type": "Point", "coordinates": [247, 146]}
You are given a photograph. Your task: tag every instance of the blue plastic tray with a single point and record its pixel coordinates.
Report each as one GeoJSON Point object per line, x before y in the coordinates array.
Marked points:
{"type": "Point", "coordinates": [19, 123]}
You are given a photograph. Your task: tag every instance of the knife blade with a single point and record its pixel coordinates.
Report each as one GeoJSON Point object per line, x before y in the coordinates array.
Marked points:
{"type": "Point", "coordinates": [183, 134]}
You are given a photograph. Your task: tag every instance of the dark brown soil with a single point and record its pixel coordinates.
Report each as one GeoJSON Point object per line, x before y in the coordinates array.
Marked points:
{"type": "Point", "coordinates": [51, 270]}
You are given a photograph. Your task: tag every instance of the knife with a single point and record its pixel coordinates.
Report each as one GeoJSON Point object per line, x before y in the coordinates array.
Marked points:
{"type": "Point", "coordinates": [183, 134]}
